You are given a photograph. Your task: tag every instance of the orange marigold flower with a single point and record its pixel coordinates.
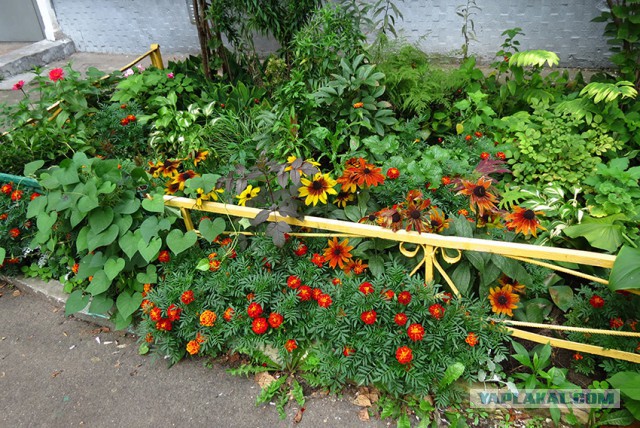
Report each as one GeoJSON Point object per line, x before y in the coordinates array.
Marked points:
{"type": "Point", "coordinates": [293, 282]}
{"type": "Point", "coordinates": [75, 268]}
{"type": "Point", "coordinates": [16, 195]}
{"type": "Point", "coordinates": [214, 265]}
{"type": "Point", "coordinates": [338, 253]}
{"type": "Point", "coordinates": [193, 347]}
{"type": "Point", "coordinates": [368, 317]}
{"type": "Point", "coordinates": [400, 319]}
{"type": "Point", "coordinates": [208, 318]}
{"type": "Point", "coordinates": [415, 332]}
{"type": "Point", "coordinates": [577, 356]}
{"type": "Point", "coordinates": [4, 216]}
{"type": "Point", "coordinates": [484, 155]}
{"type": "Point", "coordinates": [463, 212]}
{"type": "Point", "coordinates": [366, 288]}
{"type": "Point", "coordinates": [146, 288]}
{"type": "Point", "coordinates": [304, 293]}
{"type": "Point", "coordinates": [315, 293]}
{"type": "Point", "coordinates": [503, 300]}
{"type": "Point", "coordinates": [146, 306]}
{"type": "Point", "coordinates": [524, 221]}
{"type": "Point", "coordinates": [259, 325]}
{"type": "Point", "coordinates": [187, 297]}
{"type": "Point", "coordinates": [348, 350]}
{"type": "Point", "coordinates": [164, 324]}
{"type": "Point", "coordinates": [481, 199]}
{"type": "Point", "coordinates": [446, 180]}
{"type": "Point", "coordinates": [317, 259]}
{"type": "Point", "coordinates": [324, 301]}
{"type": "Point", "coordinates": [228, 314]}
{"type": "Point", "coordinates": [173, 312]}
{"type": "Point", "coordinates": [393, 173]}
{"type": "Point", "coordinates": [301, 250]}
{"type": "Point", "coordinates": [616, 322]}
{"type": "Point", "coordinates": [148, 338]}
{"type": "Point", "coordinates": [164, 256]}
{"type": "Point", "coordinates": [478, 134]}
{"type": "Point", "coordinates": [404, 298]}
{"type": "Point", "coordinates": [336, 281]}
{"type": "Point", "coordinates": [501, 155]}
{"type": "Point", "coordinates": [14, 233]}
{"type": "Point", "coordinates": [200, 338]}
{"type": "Point", "coordinates": [254, 310]}
{"type": "Point", "coordinates": [155, 314]}
{"type": "Point", "coordinates": [358, 105]}
{"type": "Point", "coordinates": [7, 188]}
{"type": "Point", "coordinates": [472, 339]}
{"type": "Point", "coordinates": [389, 294]}
{"type": "Point", "coordinates": [468, 137]}
{"type": "Point", "coordinates": [275, 320]}
{"type": "Point", "coordinates": [290, 345]}
{"type": "Point", "coordinates": [404, 355]}
{"type": "Point", "coordinates": [436, 311]}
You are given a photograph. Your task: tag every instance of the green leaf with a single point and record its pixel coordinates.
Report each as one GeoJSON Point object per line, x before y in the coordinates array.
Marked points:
{"type": "Point", "coordinates": [129, 243]}
{"type": "Point", "coordinates": [625, 274]}
{"type": "Point", "coordinates": [32, 167]}
{"type": "Point", "coordinates": [113, 267]}
{"type": "Point", "coordinates": [376, 265]}
{"type": "Point", "coordinates": [210, 230]}
{"type": "Point", "coordinates": [45, 221]}
{"type": "Point", "coordinates": [155, 205]}
{"type": "Point", "coordinates": [617, 418]}
{"type": "Point", "coordinates": [633, 406]}
{"type": "Point", "coordinates": [602, 232]}
{"type": "Point", "coordinates": [3, 253]}
{"type": "Point", "coordinates": [128, 206]}
{"type": "Point", "coordinates": [353, 213]}
{"type": "Point", "coordinates": [463, 227]}
{"type": "Point", "coordinates": [297, 392]}
{"type": "Point", "coordinates": [461, 277]}
{"type": "Point", "coordinates": [100, 304]}
{"type": "Point", "coordinates": [562, 296]}
{"type": "Point", "coordinates": [127, 303]}
{"type": "Point", "coordinates": [403, 421]}
{"type": "Point", "coordinates": [143, 349]}
{"type": "Point", "coordinates": [151, 250]}
{"type": "Point", "coordinates": [76, 302]}
{"type": "Point", "coordinates": [149, 228]}
{"type": "Point", "coordinates": [36, 206]}
{"type": "Point", "coordinates": [476, 259]}
{"type": "Point", "coordinates": [179, 242]}
{"type": "Point", "coordinates": [270, 391]}
{"type": "Point", "coordinates": [628, 383]}
{"type": "Point", "coordinates": [512, 268]}
{"type": "Point", "coordinates": [100, 219]}
{"type": "Point", "coordinates": [122, 322]}
{"type": "Point", "coordinates": [87, 202]}
{"type": "Point", "coordinates": [102, 239]}
{"type": "Point", "coordinates": [150, 277]}
{"type": "Point", "coordinates": [99, 284]}
{"type": "Point", "coordinates": [452, 374]}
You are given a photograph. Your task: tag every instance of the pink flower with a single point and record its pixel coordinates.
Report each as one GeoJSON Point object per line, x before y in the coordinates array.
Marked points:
{"type": "Point", "coordinates": [170, 75]}
{"type": "Point", "coordinates": [140, 67]}
{"type": "Point", "coordinates": [56, 74]}
{"type": "Point", "coordinates": [18, 86]}
{"type": "Point", "coordinates": [128, 72]}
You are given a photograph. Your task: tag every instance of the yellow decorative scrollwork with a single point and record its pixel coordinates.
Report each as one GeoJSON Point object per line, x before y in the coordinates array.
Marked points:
{"type": "Point", "coordinates": [429, 260]}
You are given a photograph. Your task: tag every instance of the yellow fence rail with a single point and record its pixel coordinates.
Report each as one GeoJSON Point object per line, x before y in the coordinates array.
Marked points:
{"type": "Point", "coordinates": [428, 246]}
{"type": "Point", "coordinates": [156, 60]}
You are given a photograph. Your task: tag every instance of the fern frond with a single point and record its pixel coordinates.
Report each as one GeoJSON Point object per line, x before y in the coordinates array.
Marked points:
{"type": "Point", "coordinates": [270, 391]}
{"type": "Point", "coordinates": [534, 57]}
{"type": "Point", "coordinates": [608, 92]}
{"type": "Point", "coordinates": [247, 369]}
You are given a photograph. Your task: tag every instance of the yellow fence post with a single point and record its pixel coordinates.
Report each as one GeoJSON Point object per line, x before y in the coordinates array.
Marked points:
{"type": "Point", "coordinates": [156, 56]}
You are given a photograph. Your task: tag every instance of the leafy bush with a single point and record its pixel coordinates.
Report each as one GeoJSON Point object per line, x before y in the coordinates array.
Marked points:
{"type": "Point", "coordinates": [15, 230]}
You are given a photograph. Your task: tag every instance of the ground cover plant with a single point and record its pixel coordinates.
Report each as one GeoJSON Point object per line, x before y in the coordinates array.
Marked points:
{"type": "Point", "coordinates": [336, 127]}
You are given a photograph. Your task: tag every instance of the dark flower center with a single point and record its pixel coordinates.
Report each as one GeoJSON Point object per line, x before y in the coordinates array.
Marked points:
{"type": "Point", "coordinates": [337, 251]}
{"type": "Point", "coordinates": [502, 300]}
{"type": "Point", "coordinates": [435, 223]}
{"type": "Point", "coordinates": [317, 185]}
{"type": "Point", "coordinates": [415, 214]}
{"type": "Point", "coordinates": [529, 215]}
{"type": "Point", "coordinates": [372, 217]}
{"type": "Point", "coordinates": [480, 191]}
{"type": "Point", "coordinates": [367, 171]}
{"type": "Point", "coordinates": [396, 217]}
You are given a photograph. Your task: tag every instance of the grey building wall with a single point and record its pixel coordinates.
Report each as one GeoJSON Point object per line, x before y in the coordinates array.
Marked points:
{"type": "Point", "coordinates": [562, 26]}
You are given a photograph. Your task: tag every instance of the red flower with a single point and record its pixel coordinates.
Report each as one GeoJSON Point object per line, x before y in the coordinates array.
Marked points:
{"type": "Point", "coordinates": [75, 268]}
{"type": "Point", "coordinates": [446, 297]}
{"type": "Point", "coordinates": [368, 317]}
{"type": "Point", "coordinates": [358, 105]}
{"type": "Point", "coordinates": [301, 250]}
{"type": "Point", "coordinates": [348, 350]}
{"type": "Point", "coordinates": [485, 156]}
{"type": "Point", "coordinates": [7, 188]}
{"type": "Point", "coordinates": [254, 310]}
{"type": "Point", "coordinates": [315, 293]}
{"type": "Point", "coordinates": [290, 345]}
{"type": "Point", "coordinates": [415, 332]}
{"type": "Point", "coordinates": [404, 355]}
{"type": "Point", "coordinates": [259, 325]}
{"type": "Point", "coordinates": [404, 298]}
{"type": "Point", "coordinates": [228, 314]}
{"type": "Point", "coordinates": [18, 86]}
{"type": "Point", "coordinates": [393, 173]}
{"type": "Point", "coordinates": [293, 282]}
{"type": "Point", "coordinates": [467, 138]}
{"type": "Point", "coordinates": [124, 122]}
{"type": "Point", "coordinates": [336, 281]}
{"type": "Point", "coordinates": [388, 295]}
{"type": "Point", "coordinates": [16, 195]}
{"type": "Point", "coordinates": [446, 180]}
{"type": "Point", "coordinates": [164, 256]}
{"type": "Point", "coordinates": [472, 339]}
{"type": "Point", "coordinates": [146, 306]}
{"type": "Point", "coordinates": [400, 319]}
{"type": "Point", "coordinates": [304, 293]}
{"type": "Point", "coordinates": [616, 322]}
{"type": "Point", "coordinates": [317, 260]}
{"type": "Point", "coordinates": [275, 320]}
{"type": "Point", "coordinates": [187, 297]}
{"type": "Point", "coordinates": [577, 356]}
{"type": "Point", "coordinates": [34, 195]}
{"type": "Point", "coordinates": [14, 233]}
{"type": "Point", "coordinates": [436, 311]}
{"type": "Point", "coordinates": [131, 118]}
{"type": "Point", "coordinates": [155, 314]}
{"type": "Point", "coordinates": [164, 324]}
{"type": "Point", "coordinates": [173, 312]}
{"type": "Point", "coordinates": [366, 288]}
{"type": "Point", "coordinates": [501, 155]}
{"type": "Point", "coordinates": [478, 134]}
{"type": "Point", "coordinates": [596, 301]}
{"type": "Point", "coordinates": [324, 301]}
{"type": "Point", "coordinates": [56, 74]}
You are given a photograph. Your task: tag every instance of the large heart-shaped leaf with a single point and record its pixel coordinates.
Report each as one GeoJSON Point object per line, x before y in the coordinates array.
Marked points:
{"type": "Point", "coordinates": [45, 221]}
{"type": "Point", "coordinates": [127, 303]}
{"type": "Point", "coordinates": [150, 251]}
{"type": "Point", "coordinates": [211, 229]}
{"type": "Point", "coordinates": [100, 219]}
{"type": "Point", "coordinates": [99, 283]}
{"type": "Point", "coordinates": [100, 304]}
{"type": "Point", "coordinates": [625, 273]}
{"type": "Point", "coordinates": [113, 267]}
{"type": "Point", "coordinates": [76, 302]}
{"type": "Point", "coordinates": [155, 205]}
{"type": "Point", "coordinates": [103, 238]}
{"type": "Point", "coordinates": [129, 243]}
{"type": "Point", "coordinates": [150, 277]}
{"type": "Point", "coordinates": [149, 228]}
{"type": "Point", "coordinates": [179, 242]}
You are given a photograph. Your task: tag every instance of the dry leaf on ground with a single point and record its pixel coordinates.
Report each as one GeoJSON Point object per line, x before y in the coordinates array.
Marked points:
{"type": "Point", "coordinates": [363, 415]}
{"type": "Point", "coordinates": [264, 379]}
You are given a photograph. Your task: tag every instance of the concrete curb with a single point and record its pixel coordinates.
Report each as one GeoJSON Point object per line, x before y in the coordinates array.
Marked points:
{"type": "Point", "coordinates": [52, 291]}
{"type": "Point", "coordinates": [36, 54]}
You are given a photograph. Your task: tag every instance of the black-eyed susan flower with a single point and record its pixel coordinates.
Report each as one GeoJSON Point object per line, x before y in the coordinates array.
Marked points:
{"type": "Point", "coordinates": [524, 221]}
{"type": "Point", "coordinates": [481, 199]}
{"type": "Point", "coordinates": [317, 189]}
{"type": "Point", "coordinates": [503, 300]}
{"type": "Point", "coordinates": [247, 194]}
